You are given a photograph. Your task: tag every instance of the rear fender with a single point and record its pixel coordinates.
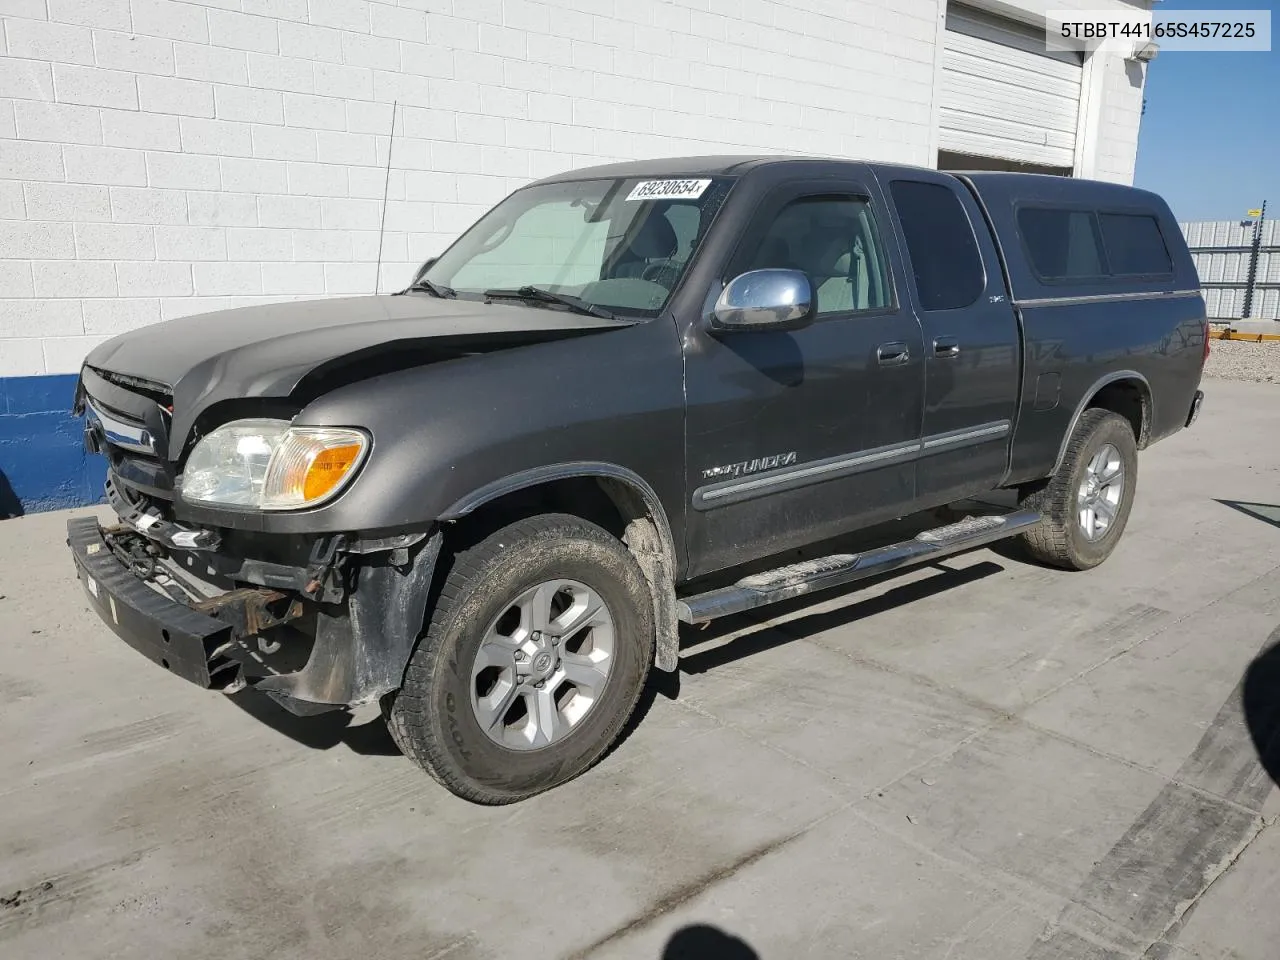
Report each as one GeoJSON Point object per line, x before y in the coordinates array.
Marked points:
{"type": "Point", "coordinates": [1088, 399]}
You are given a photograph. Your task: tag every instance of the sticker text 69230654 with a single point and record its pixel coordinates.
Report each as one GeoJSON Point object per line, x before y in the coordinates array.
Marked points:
{"type": "Point", "coordinates": [668, 189]}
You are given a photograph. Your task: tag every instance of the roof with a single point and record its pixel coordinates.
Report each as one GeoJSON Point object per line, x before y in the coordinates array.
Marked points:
{"type": "Point", "coordinates": [1046, 186]}
{"type": "Point", "coordinates": [713, 166]}
{"type": "Point", "coordinates": [709, 166]}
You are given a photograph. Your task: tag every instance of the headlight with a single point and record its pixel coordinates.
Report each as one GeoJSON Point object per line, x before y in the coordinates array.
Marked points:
{"type": "Point", "coordinates": [269, 465]}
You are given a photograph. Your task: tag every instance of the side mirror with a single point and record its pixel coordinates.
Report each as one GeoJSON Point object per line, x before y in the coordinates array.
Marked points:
{"type": "Point", "coordinates": [769, 299]}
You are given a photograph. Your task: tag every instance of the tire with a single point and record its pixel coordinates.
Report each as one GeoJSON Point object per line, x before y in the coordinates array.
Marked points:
{"type": "Point", "coordinates": [434, 719]}
{"type": "Point", "coordinates": [1061, 539]}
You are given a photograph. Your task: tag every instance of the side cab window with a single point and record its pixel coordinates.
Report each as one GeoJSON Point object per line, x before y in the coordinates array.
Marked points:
{"type": "Point", "coordinates": [835, 241]}
{"type": "Point", "coordinates": [945, 263]}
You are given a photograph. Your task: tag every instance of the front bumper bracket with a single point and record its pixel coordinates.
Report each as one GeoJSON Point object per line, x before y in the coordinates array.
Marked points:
{"type": "Point", "coordinates": [358, 653]}
{"type": "Point", "coordinates": [180, 639]}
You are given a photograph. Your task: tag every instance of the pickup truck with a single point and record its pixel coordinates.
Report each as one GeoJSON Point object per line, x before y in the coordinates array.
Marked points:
{"type": "Point", "coordinates": [627, 398]}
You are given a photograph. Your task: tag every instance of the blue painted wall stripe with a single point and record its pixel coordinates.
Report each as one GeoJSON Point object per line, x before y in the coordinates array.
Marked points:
{"type": "Point", "coordinates": [43, 463]}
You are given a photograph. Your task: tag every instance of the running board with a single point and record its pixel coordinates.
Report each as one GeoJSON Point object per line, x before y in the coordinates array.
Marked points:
{"type": "Point", "coordinates": [838, 569]}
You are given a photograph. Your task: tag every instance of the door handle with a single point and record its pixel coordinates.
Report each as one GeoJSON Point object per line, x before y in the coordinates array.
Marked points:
{"type": "Point", "coordinates": [892, 354]}
{"type": "Point", "coordinates": [946, 347]}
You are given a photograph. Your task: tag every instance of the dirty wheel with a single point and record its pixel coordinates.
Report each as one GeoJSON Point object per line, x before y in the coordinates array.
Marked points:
{"type": "Point", "coordinates": [534, 658]}
{"type": "Point", "coordinates": [1086, 503]}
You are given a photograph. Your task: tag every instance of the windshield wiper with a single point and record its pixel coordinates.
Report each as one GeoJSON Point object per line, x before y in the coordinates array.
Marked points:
{"type": "Point", "coordinates": [435, 289]}
{"type": "Point", "coordinates": [538, 295]}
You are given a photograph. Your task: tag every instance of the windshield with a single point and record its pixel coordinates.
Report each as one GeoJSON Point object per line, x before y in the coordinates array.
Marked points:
{"type": "Point", "coordinates": [621, 245]}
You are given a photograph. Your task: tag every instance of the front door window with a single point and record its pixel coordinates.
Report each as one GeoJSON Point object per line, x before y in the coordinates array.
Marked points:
{"type": "Point", "coordinates": [835, 242]}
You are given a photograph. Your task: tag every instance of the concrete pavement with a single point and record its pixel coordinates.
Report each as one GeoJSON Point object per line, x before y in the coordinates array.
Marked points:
{"type": "Point", "coordinates": [981, 760]}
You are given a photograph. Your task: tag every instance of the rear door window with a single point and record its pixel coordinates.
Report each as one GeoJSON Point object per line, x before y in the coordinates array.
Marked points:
{"type": "Point", "coordinates": [944, 252]}
{"type": "Point", "coordinates": [1062, 244]}
{"type": "Point", "coordinates": [1134, 244]}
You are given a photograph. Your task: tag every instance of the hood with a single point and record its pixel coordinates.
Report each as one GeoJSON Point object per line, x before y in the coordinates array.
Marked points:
{"type": "Point", "coordinates": [267, 351]}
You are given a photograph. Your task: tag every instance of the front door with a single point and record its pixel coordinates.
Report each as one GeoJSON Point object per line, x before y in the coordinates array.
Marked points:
{"type": "Point", "coordinates": [799, 435]}
{"type": "Point", "coordinates": [971, 340]}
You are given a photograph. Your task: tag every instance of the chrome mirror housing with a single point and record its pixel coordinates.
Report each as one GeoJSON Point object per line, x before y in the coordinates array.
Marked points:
{"type": "Point", "coordinates": [771, 299]}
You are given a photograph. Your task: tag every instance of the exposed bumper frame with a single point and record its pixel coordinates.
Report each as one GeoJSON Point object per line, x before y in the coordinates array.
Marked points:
{"type": "Point", "coordinates": [177, 637]}
{"type": "Point", "coordinates": [359, 651]}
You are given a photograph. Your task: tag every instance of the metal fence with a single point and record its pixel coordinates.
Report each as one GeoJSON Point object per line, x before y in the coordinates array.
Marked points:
{"type": "Point", "coordinates": [1230, 276]}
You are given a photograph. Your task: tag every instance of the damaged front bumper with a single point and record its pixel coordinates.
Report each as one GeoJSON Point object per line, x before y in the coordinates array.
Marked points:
{"type": "Point", "coordinates": [176, 636]}
{"type": "Point", "coordinates": [349, 650]}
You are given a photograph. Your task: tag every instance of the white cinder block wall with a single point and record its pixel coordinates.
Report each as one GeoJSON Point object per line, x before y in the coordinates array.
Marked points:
{"type": "Point", "coordinates": [1120, 115]}
{"type": "Point", "coordinates": [167, 157]}
{"type": "Point", "coordinates": [164, 157]}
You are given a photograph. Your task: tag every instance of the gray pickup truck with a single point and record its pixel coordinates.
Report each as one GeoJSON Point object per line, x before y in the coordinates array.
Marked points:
{"type": "Point", "coordinates": [628, 397]}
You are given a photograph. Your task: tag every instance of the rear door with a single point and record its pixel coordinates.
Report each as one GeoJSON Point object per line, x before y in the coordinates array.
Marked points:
{"type": "Point", "coordinates": [971, 341]}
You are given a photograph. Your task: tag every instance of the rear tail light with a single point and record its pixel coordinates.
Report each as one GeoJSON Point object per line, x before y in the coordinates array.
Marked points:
{"type": "Point", "coordinates": [1205, 358]}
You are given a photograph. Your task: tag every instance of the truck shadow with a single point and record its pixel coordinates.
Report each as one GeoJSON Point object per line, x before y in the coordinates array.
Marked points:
{"type": "Point", "coordinates": [701, 941]}
{"type": "Point", "coordinates": [322, 731]}
{"type": "Point", "coordinates": [752, 634]}
{"type": "Point", "coordinates": [10, 505]}
{"type": "Point", "coordinates": [768, 634]}
{"type": "Point", "coordinates": [1266, 512]}
{"type": "Point", "coordinates": [1262, 705]}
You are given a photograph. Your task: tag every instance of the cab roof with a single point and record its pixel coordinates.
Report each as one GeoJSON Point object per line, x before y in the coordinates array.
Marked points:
{"type": "Point", "coordinates": [712, 166]}
{"type": "Point", "coordinates": [738, 164]}
{"type": "Point", "coordinates": [707, 166]}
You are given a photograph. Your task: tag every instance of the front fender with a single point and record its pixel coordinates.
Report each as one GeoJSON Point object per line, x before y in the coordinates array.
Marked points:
{"type": "Point", "coordinates": [647, 534]}
{"type": "Point", "coordinates": [449, 433]}
{"type": "Point", "coordinates": [361, 650]}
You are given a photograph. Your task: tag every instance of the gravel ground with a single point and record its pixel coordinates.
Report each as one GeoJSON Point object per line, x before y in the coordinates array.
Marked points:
{"type": "Point", "coordinates": [1240, 360]}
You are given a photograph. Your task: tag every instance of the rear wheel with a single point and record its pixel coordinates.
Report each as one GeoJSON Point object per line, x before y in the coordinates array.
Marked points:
{"type": "Point", "coordinates": [1085, 504]}
{"type": "Point", "coordinates": [536, 653]}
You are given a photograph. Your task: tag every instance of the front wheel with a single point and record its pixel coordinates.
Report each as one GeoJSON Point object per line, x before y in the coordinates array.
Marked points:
{"type": "Point", "coordinates": [1085, 504]}
{"type": "Point", "coordinates": [536, 653]}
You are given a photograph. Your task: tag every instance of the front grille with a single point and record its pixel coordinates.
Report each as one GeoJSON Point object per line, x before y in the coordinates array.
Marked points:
{"type": "Point", "coordinates": [142, 475]}
{"type": "Point", "coordinates": [127, 420]}
{"type": "Point", "coordinates": [154, 390]}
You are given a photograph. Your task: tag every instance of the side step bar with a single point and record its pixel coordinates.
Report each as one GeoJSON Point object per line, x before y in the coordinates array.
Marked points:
{"type": "Point", "coordinates": [809, 576]}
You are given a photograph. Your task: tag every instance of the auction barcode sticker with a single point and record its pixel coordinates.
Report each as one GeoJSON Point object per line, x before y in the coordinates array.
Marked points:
{"type": "Point", "coordinates": [668, 189]}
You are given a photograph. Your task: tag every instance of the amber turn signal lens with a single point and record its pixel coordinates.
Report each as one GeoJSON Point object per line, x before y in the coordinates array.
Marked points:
{"type": "Point", "coordinates": [328, 468]}
{"type": "Point", "coordinates": [310, 465]}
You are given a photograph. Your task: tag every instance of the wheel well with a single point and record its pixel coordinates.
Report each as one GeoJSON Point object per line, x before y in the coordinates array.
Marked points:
{"type": "Point", "coordinates": [613, 504]}
{"type": "Point", "coordinates": [1130, 399]}
{"type": "Point", "coordinates": [579, 496]}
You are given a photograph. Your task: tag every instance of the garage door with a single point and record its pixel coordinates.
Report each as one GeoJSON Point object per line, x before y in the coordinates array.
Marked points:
{"type": "Point", "coordinates": [1003, 96]}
